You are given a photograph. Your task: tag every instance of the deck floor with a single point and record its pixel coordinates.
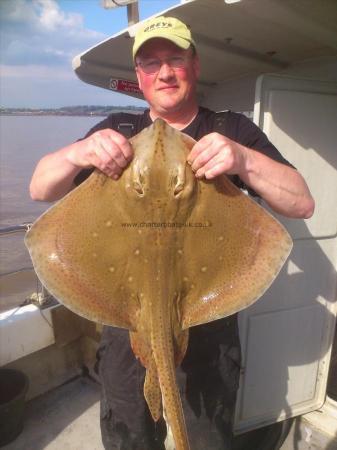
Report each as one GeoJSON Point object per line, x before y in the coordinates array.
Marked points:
{"type": "Point", "coordinates": [67, 418]}
{"type": "Point", "coordinates": [304, 436]}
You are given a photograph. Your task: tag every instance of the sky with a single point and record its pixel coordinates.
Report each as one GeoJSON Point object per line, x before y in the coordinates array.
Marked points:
{"type": "Point", "coordinates": [38, 40]}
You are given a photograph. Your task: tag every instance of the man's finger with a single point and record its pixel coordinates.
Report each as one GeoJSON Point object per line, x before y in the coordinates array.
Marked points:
{"type": "Point", "coordinates": [199, 147]}
{"type": "Point", "coordinates": [215, 171]}
{"type": "Point", "coordinates": [102, 161]}
{"type": "Point", "coordinates": [216, 165]}
{"type": "Point", "coordinates": [196, 149]}
{"type": "Point", "coordinates": [122, 143]}
{"type": "Point", "coordinates": [115, 153]}
{"type": "Point", "coordinates": [204, 157]}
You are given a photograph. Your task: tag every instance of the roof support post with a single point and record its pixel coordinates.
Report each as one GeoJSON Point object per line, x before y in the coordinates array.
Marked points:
{"type": "Point", "coordinates": [133, 13]}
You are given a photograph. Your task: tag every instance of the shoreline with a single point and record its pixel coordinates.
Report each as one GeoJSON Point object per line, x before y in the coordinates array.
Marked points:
{"type": "Point", "coordinates": [76, 111]}
{"type": "Point", "coordinates": [58, 114]}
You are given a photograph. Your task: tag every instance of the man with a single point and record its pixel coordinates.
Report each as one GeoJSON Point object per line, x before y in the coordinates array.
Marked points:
{"type": "Point", "coordinates": [167, 69]}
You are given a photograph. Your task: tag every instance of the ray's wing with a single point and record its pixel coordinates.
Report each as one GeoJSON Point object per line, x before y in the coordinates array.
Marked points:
{"type": "Point", "coordinates": [83, 255]}
{"type": "Point", "coordinates": [233, 250]}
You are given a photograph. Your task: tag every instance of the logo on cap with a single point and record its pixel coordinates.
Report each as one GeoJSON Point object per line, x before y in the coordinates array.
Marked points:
{"type": "Point", "coordinates": [154, 26]}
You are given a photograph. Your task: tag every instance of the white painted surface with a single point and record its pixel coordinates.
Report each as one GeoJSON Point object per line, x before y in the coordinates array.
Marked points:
{"type": "Point", "coordinates": [23, 331]}
{"type": "Point", "coordinates": [234, 40]}
{"type": "Point", "coordinates": [287, 335]}
{"type": "Point", "coordinates": [300, 117]}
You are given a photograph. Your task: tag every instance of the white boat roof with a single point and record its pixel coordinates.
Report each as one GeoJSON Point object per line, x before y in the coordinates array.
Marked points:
{"type": "Point", "coordinates": [234, 39]}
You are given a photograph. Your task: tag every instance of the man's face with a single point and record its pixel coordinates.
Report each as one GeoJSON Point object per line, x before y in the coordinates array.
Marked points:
{"type": "Point", "coordinates": [170, 88]}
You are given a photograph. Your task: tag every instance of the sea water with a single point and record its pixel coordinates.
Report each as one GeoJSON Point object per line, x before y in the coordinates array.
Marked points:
{"type": "Point", "coordinates": [24, 140]}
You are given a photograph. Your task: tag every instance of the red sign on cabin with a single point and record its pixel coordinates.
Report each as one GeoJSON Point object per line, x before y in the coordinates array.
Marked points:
{"type": "Point", "coordinates": [119, 85]}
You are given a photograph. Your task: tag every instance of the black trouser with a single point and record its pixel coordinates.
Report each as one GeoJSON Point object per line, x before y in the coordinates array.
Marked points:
{"type": "Point", "coordinates": [208, 380]}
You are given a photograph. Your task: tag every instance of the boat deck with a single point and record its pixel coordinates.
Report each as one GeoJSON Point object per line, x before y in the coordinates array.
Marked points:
{"type": "Point", "coordinates": [65, 418]}
{"type": "Point", "coordinates": [68, 418]}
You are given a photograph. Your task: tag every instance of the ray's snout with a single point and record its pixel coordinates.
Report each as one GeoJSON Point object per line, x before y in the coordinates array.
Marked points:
{"type": "Point", "coordinates": [159, 167]}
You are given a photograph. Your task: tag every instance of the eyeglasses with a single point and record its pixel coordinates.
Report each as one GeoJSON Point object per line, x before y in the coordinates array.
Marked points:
{"type": "Point", "coordinates": [153, 65]}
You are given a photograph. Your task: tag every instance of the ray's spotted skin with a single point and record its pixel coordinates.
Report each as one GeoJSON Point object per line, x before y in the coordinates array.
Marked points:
{"type": "Point", "coordinates": [208, 252]}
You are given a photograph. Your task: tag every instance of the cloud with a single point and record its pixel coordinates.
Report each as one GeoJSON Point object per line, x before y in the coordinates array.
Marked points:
{"type": "Point", "coordinates": [39, 32]}
{"type": "Point", "coordinates": [52, 17]}
{"type": "Point", "coordinates": [32, 71]}
{"type": "Point", "coordinates": [38, 41]}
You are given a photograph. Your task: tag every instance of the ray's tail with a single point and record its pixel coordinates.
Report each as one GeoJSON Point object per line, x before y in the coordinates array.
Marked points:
{"type": "Point", "coordinates": [163, 351]}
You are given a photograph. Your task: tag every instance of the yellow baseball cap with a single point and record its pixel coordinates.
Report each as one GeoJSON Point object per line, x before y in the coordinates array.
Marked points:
{"type": "Point", "coordinates": [163, 27]}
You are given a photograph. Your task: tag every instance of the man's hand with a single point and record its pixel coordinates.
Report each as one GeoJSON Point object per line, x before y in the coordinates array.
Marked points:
{"type": "Point", "coordinates": [54, 175]}
{"type": "Point", "coordinates": [107, 150]}
{"type": "Point", "coordinates": [215, 154]}
{"type": "Point", "coordinates": [281, 186]}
